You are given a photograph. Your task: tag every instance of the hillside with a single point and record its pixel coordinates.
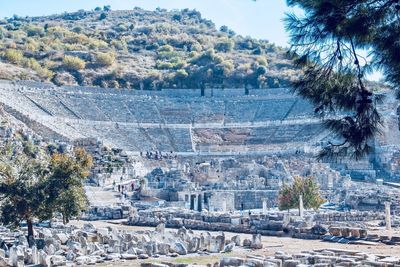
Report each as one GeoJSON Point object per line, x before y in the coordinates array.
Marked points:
{"type": "Point", "coordinates": [137, 49]}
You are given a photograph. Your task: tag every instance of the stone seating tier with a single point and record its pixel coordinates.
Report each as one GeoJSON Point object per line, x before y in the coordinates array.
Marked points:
{"type": "Point", "coordinates": [168, 120]}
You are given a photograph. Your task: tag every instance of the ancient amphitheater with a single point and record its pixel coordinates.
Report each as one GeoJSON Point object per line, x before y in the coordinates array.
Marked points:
{"type": "Point", "coordinates": [211, 162]}
{"type": "Point", "coordinates": [221, 122]}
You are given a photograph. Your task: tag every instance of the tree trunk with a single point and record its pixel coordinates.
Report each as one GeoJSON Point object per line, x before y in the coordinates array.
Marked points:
{"type": "Point", "coordinates": [30, 228]}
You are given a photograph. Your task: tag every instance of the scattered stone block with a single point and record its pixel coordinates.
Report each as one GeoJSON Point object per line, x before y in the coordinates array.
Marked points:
{"type": "Point", "coordinates": [256, 242]}
{"type": "Point", "coordinates": [231, 261]}
{"type": "Point", "coordinates": [143, 256]}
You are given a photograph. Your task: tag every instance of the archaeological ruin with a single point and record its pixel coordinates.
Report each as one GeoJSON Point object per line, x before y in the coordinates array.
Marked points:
{"type": "Point", "coordinates": [209, 161]}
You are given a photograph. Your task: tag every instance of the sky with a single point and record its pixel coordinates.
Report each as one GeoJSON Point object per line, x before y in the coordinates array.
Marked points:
{"type": "Point", "coordinates": [260, 19]}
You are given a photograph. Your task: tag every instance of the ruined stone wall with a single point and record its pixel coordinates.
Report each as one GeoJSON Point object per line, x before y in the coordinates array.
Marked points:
{"type": "Point", "coordinates": [168, 195]}
{"type": "Point", "coordinates": [272, 223]}
{"type": "Point", "coordinates": [253, 199]}
{"type": "Point", "coordinates": [355, 216]}
{"type": "Point", "coordinates": [221, 201]}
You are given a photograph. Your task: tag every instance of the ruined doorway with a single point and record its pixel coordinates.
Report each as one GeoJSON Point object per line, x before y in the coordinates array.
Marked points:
{"type": "Point", "coordinates": [199, 203]}
{"type": "Point", "coordinates": [192, 200]}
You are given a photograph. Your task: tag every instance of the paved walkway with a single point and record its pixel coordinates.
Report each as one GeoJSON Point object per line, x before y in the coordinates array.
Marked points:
{"type": "Point", "coordinates": [102, 197]}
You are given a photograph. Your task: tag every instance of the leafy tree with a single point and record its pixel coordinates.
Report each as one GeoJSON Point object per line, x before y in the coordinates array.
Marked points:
{"type": "Point", "coordinates": [22, 174]}
{"type": "Point", "coordinates": [177, 17]}
{"type": "Point", "coordinates": [306, 187]}
{"type": "Point", "coordinates": [326, 42]}
{"type": "Point", "coordinates": [224, 28]}
{"type": "Point", "coordinates": [34, 185]}
{"type": "Point", "coordinates": [68, 173]}
{"type": "Point", "coordinates": [181, 75]}
{"type": "Point", "coordinates": [103, 16]}
{"type": "Point", "coordinates": [211, 67]}
{"type": "Point", "coordinates": [261, 70]}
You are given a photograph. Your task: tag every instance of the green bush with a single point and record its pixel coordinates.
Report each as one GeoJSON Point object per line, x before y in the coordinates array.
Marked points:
{"type": "Point", "coordinates": [77, 38]}
{"type": "Point", "coordinates": [77, 29]}
{"type": "Point", "coordinates": [14, 56]}
{"type": "Point", "coordinates": [196, 47]}
{"type": "Point", "coordinates": [73, 63]}
{"type": "Point", "coordinates": [43, 72]}
{"type": "Point", "coordinates": [95, 44]}
{"type": "Point", "coordinates": [119, 44]}
{"type": "Point", "coordinates": [181, 74]}
{"type": "Point", "coordinates": [33, 30]}
{"type": "Point", "coordinates": [262, 61]}
{"type": "Point", "coordinates": [122, 27]}
{"type": "Point", "coordinates": [224, 45]}
{"type": "Point", "coordinates": [164, 65]}
{"type": "Point", "coordinates": [165, 48]}
{"type": "Point", "coordinates": [31, 63]}
{"type": "Point", "coordinates": [3, 33]}
{"type": "Point", "coordinates": [105, 59]}
{"type": "Point", "coordinates": [32, 45]}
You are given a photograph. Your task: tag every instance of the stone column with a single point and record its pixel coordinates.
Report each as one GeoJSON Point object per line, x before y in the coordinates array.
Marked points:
{"type": "Point", "coordinates": [224, 205]}
{"type": "Point", "coordinates": [199, 203]}
{"type": "Point", "coordinates": [195, 202]}
{"type": "Point", "coordinates": [187, 201]}
{"type": "Point", "coordinates": [35, 256]}
{"type": "Point", "coordinates": [265, 206]}
{"type": "Point", "coordinates": [301, 207]}
{"type": "Point", "coordinates": [387, 216]}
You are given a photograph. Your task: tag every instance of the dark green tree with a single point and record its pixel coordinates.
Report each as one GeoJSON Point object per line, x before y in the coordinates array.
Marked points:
{"type": "Point", "coordinates": [64, 186]}
{"type": "Point", "coordinates": [180, 76]}
{"type": "Point", "coordinates": [35, 185]}
{"type": "Point", "coordinates": [326, 42]}
{"type": "Point", "coordinates": [103, 16]}
{"type": "Point", "coordinates": [22, 183]}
